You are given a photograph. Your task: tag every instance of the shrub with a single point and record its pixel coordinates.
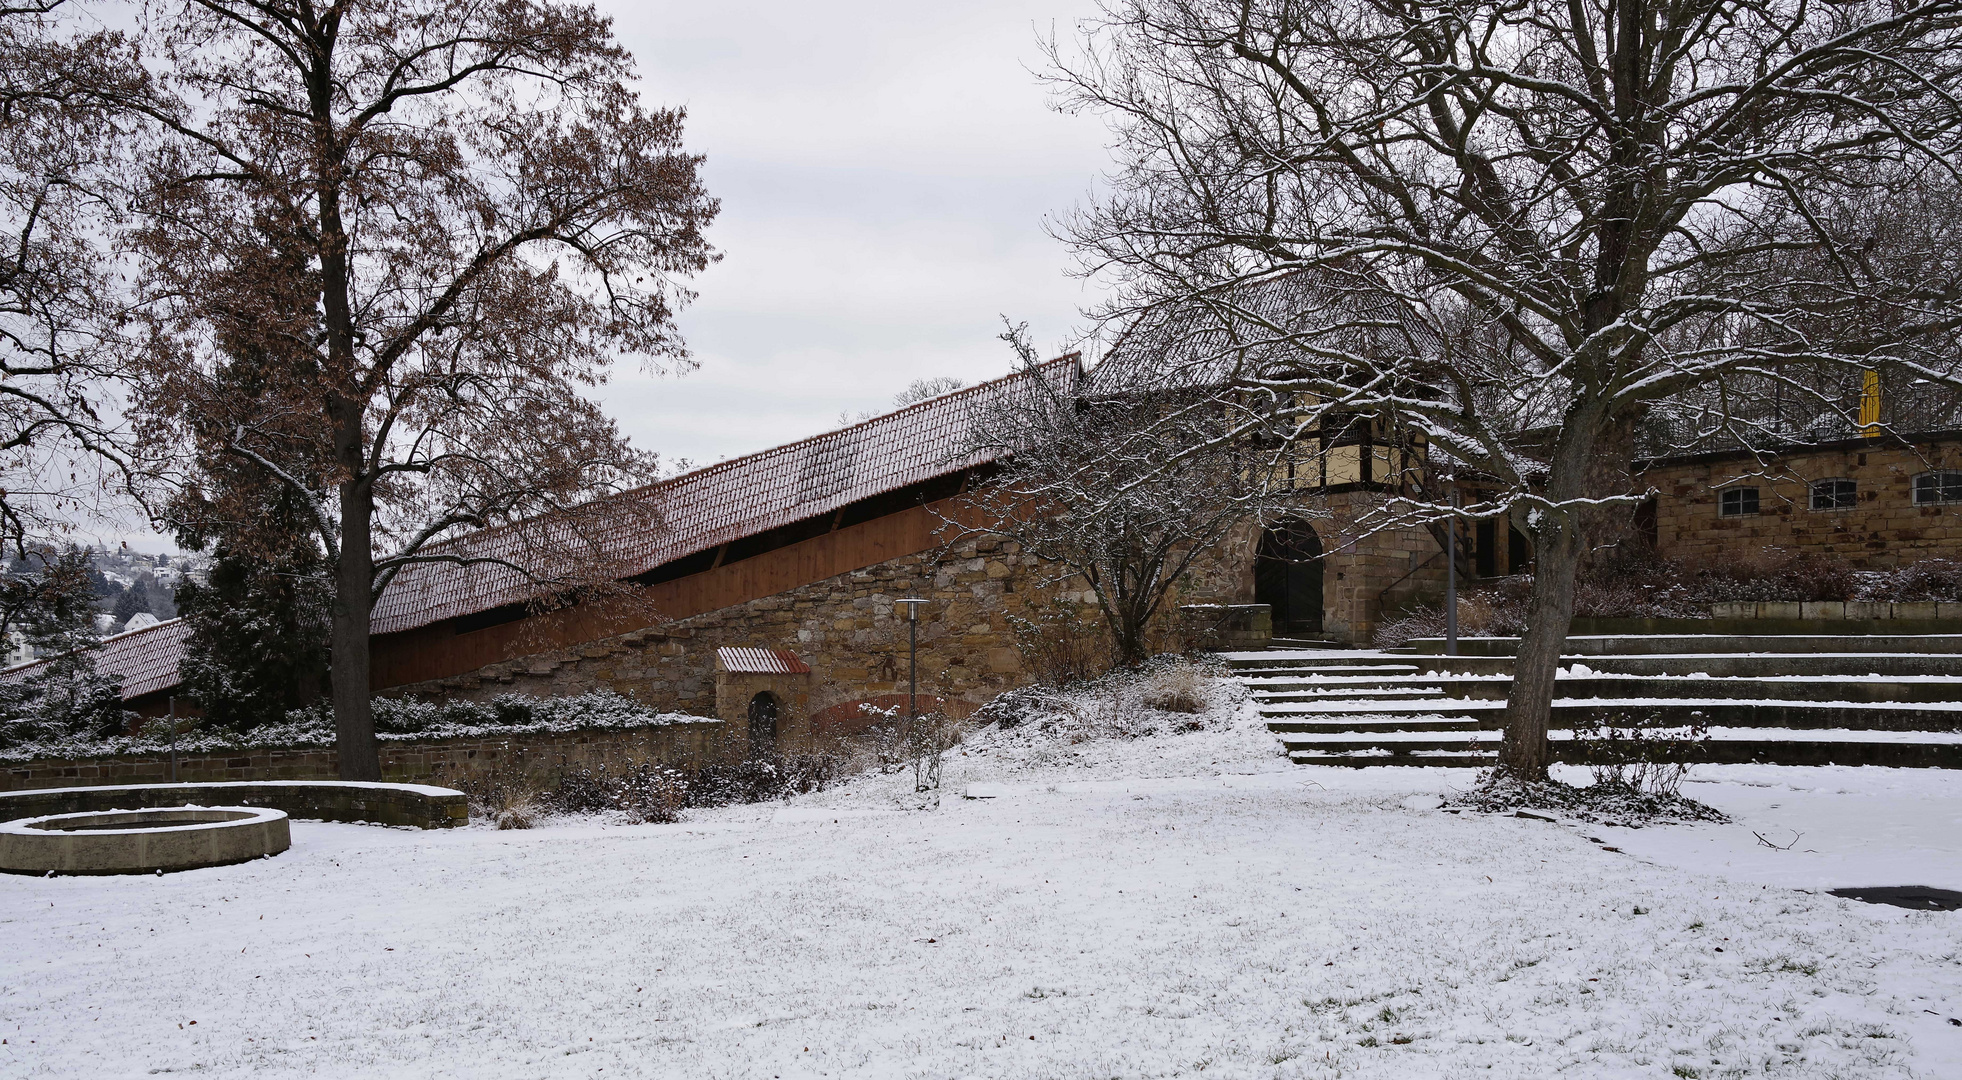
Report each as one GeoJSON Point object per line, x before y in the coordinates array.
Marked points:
{"type": "Point", "coordinates": [1929, 579]}
{"type": "Point", "coordinates": [1638, 753]}
{"type": "Point", "coordinates": [762, 777]}
{"type": "Point", "coordinates": [1059, 645]}
{"type": "Point", "coordinates": [1775, 575]}
{"type": "Point", "coordinates": [643, 792]}
{"type": "Point", "coordinates": [1174, 688]}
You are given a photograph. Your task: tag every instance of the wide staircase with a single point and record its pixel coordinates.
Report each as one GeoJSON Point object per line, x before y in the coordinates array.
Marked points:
{"type": "Point", "coordinates": [1789, 699]}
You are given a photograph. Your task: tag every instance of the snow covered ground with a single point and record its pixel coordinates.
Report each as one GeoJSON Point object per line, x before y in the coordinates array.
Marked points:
{"type": "Point", "coordinates": [1180, 905]}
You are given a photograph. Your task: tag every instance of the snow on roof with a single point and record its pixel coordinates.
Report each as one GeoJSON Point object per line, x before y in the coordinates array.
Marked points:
{"type": "Point", "coordinates": [721, 503]}
{"type": "Point", "coordinates": [145, 660]}
{"type": "Point", "coordinates": [741, 661]}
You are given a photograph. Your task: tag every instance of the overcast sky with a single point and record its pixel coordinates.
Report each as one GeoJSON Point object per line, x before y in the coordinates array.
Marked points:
{"type": "Point", "coordinates": [884, 170]}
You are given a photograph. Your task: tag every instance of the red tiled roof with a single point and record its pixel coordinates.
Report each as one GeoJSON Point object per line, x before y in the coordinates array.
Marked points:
{"type": "Point", "coordinates": [718, 504]}
{"type": "Point", "coordinates": [145, 660]}
{"type": "Point", "coordinates": [741, 661]}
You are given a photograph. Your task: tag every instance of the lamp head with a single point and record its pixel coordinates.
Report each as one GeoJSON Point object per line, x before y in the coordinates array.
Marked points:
{"type": "Point", "coordinates": [912, 606]}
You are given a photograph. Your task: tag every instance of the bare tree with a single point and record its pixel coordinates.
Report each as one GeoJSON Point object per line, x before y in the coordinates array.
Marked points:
{"type": "Point", "coordinates": [433, 223]}
{"type": "Point", "coordinates": [1089, 481]}
{"type": "Point", "coordinates": [925, 390]}
{"type": "Point", "coordinates": [1611, 217]}
{"type": "Point", "coordinates": [61, 446]}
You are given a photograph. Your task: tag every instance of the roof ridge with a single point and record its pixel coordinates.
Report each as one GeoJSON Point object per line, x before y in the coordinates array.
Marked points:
{"type": "Point", "coordinates": [868, 421]}
{"type": "Point", "coordinates": [96, 645]}
{"type": "Point", "coordinates": [758, 455]}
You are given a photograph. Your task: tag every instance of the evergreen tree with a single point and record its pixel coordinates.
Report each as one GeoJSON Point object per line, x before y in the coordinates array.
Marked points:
{"type": "Point", "coordinates": [134, 599]}
{"type": "Point", "coordinates": [259, 624]}
{"type": "Point", "coordinates": [54, 605]}
{"type": "Point", "coordinates": [258, 641]}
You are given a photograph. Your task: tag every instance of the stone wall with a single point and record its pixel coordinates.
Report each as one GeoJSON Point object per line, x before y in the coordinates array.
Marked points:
{"type": "Point", "coordinates": [848, 630]}
{"type": "Point", "coordinates": [539, 759]}
{"type": "Point", "coordinates": [1372, 574]}
{"type": "Point", "coordinates": [1885, 527]}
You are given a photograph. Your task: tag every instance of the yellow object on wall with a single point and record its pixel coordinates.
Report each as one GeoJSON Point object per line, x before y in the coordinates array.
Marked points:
{"type": "Point", "coordinates": [1870, 403]}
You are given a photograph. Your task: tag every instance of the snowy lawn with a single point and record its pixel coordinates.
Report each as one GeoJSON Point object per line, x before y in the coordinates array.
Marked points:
{"type": "Point", "coordinates": [1180, 905]}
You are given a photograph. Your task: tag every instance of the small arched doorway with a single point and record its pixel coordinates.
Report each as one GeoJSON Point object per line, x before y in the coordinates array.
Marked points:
{"type": "Point", "coordinates": [1288, 577]}
{"type": "Point", "coordinates": [763, 709]}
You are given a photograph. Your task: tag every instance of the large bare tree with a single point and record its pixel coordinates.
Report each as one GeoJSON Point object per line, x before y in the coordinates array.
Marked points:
{"type": "Point", "coordinates": [1610, 218]}
{"type": "Point", "coordinates": [61, 444]}
{"type": "Point", "coordinates": [429, 225]}
{"type": "Point", "coordinates": [1086, 478]}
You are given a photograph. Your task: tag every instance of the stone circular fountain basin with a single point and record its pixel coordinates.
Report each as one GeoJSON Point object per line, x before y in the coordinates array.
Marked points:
{"type": "Point", "coordinates": [141, 841]}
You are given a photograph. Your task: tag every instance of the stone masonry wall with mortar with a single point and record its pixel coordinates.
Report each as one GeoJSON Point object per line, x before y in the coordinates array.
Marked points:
{"type": "Point", "coordinates": [1883, 528]}
{"type": "Point", "coordinates": [538, 759]}
{"type": "Point", "coordinates": [845, 627]}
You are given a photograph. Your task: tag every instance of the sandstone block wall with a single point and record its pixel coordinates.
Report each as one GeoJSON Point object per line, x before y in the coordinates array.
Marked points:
{"type": "Point", "coordinates": [848, 630]}
{"type": "Point", "coordinates": [1885, 528]}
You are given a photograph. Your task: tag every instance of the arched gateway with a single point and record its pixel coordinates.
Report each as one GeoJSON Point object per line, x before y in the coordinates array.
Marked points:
{"type": "Point", "coordinates": [762, 722]}
{"type": "Point", "coordinates": [1288, 577]}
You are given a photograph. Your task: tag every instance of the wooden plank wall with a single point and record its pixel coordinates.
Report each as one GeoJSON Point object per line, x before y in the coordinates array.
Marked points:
{"type": "Point", "coordinates": [438, 651]}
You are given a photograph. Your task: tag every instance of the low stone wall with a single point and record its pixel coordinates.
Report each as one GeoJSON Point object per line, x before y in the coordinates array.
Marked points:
{"type": "Point", "coordinates": [415, 805]}
{"type": "Point", "coordinates": [535, 759]}
{"type": "Point", "coordinates": [1863, 611]}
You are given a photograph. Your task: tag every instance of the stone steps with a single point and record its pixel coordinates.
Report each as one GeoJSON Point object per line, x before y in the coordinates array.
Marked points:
{"type": "Point", "coordinates": [1358, 707]}
{"type": "Point", "coordinates": [1677, 644]}
{"type": "Point", "coordinates": [1722, 665]}
{"type": "Point", "coordinates": [1875, 690]}
{"type": "Point", "coordinates": [1572, 712]}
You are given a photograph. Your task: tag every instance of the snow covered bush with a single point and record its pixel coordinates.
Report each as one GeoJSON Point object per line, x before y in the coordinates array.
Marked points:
{"type": "Point", "coordinates": [762, 778]}
{"type": "Point", "coordinates": [1929, 579]}
{"type": "Point", "coordinates": [646, 792]}
{"type": "Point", "coordinates": [396, 719]}
{"type": "Point", "coordinates": [1642, 586]}
{"type": "Point", "coordinates": [1174, 688]}
{"type": "Point", "coordinates": [1638, 763]}
{"type": "Point", "coordinates": [1059, 643]}
{"type": "Point", "coordinates": [1639, 753]}
{"type": "Point", "coordinates": [1164, 695]}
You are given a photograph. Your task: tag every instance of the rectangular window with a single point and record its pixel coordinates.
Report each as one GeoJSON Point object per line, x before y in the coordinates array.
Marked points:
{"type": "Point", "coordinates": [1937, 487]}
{"type": "Point", "coordinates": [1737, 502]}
{"type": "Point", "coordinates": [1834, 494]}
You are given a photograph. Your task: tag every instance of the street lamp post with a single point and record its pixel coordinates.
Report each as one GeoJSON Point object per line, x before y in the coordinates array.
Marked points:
{"type": "Point", "coordinates": [1451, 577]}
{"type": "Point", "coordinates": [912, 655]}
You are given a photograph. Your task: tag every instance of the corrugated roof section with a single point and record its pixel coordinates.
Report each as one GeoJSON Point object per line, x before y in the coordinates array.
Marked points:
{"type": "Point", "coordinates": [724, 502]}
{"type": "Point", "coordinates": [742, 661]}
{"type": "Point", "coordinates": [145, 660]}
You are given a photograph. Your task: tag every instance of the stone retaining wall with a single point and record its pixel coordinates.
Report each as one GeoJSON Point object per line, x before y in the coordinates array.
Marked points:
{"type": "Point", "coordinates": [847, 629]}
{"type": "Point", "coordinates": [536, 759]}
{"type": "Point", "coordinates": [412, 805]}
{"type": "Point", "coordinates": [1927, 611]}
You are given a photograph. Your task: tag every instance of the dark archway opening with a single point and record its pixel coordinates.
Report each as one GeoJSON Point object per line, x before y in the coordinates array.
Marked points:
{"type": "Point", "coordinates": [763, 722]}
{"type": "Point", "coordinates": [1288, 578]}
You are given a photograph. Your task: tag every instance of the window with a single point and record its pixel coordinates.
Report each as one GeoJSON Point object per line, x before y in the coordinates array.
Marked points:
{"type": "Point", "coordinates": [1937, 487]}
{"type": "Point", "coordinates": [1834, 494]}
{"type": "Point", "coordinates": [1737, 502]}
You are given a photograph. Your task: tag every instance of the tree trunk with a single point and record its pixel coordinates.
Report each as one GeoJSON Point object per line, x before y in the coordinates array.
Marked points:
{"type": "Point", "coordinates": [1559, 542]}
{"type": "Point", "coordinates": [1526, 752]}
{"type": "Point", "coordinates": [354, 714]}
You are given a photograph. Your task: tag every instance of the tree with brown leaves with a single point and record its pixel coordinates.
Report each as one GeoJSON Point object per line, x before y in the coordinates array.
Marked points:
{"type": "Point", "coordinates": [429, 225]}
{"type": "Point", "coordinates": [61, 446]}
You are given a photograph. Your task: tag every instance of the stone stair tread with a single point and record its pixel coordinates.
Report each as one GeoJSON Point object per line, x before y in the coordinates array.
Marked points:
{"type": "Point", "coordinates": [1478, 705]}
